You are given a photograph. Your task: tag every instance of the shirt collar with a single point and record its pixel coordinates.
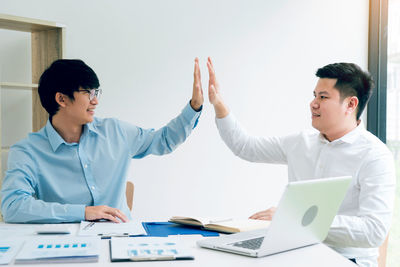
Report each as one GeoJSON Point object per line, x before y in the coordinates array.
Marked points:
{"type": "Point", "coordinates": [56, 140]}
{"type": "Point", "coordinates": [91, 128]}
{"type": "Point", "coordinates": [352, 136]}
{"type": "Point", "coordinates": [347, 138]}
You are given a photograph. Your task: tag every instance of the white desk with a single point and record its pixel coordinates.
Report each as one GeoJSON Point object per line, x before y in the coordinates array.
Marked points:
{"type": "Point", "coordinates": [316, 255]}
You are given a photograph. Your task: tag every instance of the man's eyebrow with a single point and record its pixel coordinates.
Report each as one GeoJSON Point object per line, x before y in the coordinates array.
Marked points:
{"type": "Point", "coordinates": [322, 93]}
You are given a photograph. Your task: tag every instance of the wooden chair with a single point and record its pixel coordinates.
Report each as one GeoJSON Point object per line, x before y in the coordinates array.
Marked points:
{"type": "Point", "coordinates": [382, 253]}
{"type": "Point", "coordinates": [129, 194]}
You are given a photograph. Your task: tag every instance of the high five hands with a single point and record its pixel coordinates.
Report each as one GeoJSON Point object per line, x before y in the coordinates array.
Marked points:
{"type": "Point", "coordinates": [221, 110]}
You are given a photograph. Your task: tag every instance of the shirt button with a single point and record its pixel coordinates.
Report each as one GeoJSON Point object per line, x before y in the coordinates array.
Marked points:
{"type": "Point", "coordinates": [85, 166]}
{"type": "Point", "coordinates": [92, 187]}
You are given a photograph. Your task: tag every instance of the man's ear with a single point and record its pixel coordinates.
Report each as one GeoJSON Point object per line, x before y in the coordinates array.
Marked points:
{"type": "Point", "coordinates": [352, 104]}
{"type": "Point", "coordinates": [60, 99]}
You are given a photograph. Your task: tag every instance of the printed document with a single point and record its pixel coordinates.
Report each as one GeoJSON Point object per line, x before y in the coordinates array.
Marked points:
{"type": "Point", "coordinates": [148, 249]}
{"type": "Point", "coordinates": [108, 229]}
{"type": "Point", "coordinates": [60, 249]}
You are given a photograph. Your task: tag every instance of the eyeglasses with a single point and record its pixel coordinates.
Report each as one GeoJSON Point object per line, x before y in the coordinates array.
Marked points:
{"type": "Point", "coordinates": [93, 93]}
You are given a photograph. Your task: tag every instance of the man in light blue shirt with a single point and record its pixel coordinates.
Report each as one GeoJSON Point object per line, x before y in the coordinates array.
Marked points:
{"type": "Point", "coordinates": [75, 167]}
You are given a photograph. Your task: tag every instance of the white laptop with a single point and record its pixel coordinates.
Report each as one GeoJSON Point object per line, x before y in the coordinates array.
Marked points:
{"type": "Point", "coordinates": [302, 218]}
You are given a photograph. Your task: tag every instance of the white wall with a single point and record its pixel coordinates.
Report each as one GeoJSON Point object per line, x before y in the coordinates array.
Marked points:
{"type": "Point", "coordinates": [265, 55]}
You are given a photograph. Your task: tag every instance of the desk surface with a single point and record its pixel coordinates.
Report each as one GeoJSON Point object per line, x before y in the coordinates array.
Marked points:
{"type": "Point", "coordinates": [316, 255]}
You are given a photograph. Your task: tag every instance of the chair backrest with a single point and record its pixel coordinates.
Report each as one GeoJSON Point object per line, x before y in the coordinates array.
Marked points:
{"type": "Point", "coordinates": [382, 253]}
{"type": "Point", "coordinates": [129, 194]}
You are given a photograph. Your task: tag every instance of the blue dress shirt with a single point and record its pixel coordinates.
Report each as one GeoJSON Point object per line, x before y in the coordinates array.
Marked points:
{"type": "Point", "coordinates": [49, 180]}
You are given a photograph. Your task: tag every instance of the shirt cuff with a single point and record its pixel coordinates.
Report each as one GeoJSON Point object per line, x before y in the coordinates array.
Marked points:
{"type": "Point", "coordinates": [76, 212]}
{"type": "Point", "coordinates": [200, 109]}
{"type": "Point", "coordinates": [191, 115]}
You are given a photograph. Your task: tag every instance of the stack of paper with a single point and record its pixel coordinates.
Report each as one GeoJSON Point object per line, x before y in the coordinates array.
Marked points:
{"type": "Point", "coordinates": [62, 249]}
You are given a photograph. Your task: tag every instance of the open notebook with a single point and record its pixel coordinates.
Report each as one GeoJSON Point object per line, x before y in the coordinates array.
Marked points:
{"type": "Point", "coordinates": [222, 225]}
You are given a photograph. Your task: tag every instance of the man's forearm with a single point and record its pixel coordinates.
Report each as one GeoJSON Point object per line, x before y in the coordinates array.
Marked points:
{"type": "Point", "coordinates": [221, 110]}
{"type": "Point", "coordinates": [38, 211]}
{"type": "Point", "coordinates": [169, 137]}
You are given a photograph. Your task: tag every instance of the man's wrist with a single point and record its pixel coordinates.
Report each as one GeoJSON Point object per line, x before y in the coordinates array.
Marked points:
{"type": "Point", "coordinates": [221, 111]}
{"type": "Point", "coordinates": [195, 106]}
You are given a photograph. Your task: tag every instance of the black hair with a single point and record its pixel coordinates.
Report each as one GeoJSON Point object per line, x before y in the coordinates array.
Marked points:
{"type": "Point", "coordinates": [65, 76]}
{"type": "Point", "coordinates": [351, 81]}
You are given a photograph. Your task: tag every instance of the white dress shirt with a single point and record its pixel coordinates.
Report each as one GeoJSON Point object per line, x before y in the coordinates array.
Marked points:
{"type": "Point", "coordinates": [364, 218]}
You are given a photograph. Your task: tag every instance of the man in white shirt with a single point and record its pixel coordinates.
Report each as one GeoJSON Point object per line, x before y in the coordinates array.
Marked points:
{"type": "Point", "coordinates": [342, 147]}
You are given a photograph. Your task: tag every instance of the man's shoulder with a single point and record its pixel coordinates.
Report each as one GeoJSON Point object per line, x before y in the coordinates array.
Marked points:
{"type": "Point", "coordinates": [368, 138]}
{"type": "Point", "coordinates": [33, 139]}
{"type": "Point", "coordinates": [372, 144]}
{"type": "Point", "coordinates": [29, 148]}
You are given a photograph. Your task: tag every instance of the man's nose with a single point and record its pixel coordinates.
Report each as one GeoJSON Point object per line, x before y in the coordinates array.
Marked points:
{"type": "Point", "coordinates": [94, 101]}
{"type": "Point", "coordinates": [313, 103]}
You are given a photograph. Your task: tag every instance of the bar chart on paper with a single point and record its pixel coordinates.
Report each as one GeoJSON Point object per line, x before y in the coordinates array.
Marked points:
{"type": "Point", "coordinates": [148, 249]}
{"type": "Point", "coordinates": [41, 247]}
{"type": "Point", "coordinates": [71, 249]}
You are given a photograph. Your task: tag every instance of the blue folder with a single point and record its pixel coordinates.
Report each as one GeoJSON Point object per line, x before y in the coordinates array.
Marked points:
{"type": "Point", "coordinates": [167, 228]}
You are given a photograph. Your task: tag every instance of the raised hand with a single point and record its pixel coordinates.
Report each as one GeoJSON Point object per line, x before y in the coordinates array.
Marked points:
{"type": "Point", "coordinates": [214, 96]}
{"type": "Point", "coordinates": [197, 96]}
{"type": "Point", "coordinates": [213, 86]}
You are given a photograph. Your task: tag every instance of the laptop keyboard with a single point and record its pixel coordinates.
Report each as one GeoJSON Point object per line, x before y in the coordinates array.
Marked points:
{"type": "Point", "coordinates": [250, 244]}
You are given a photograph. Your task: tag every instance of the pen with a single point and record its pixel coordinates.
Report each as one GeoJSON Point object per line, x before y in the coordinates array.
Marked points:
{"type": "Point", "coordinates": [88, 226]}
{"type": "Point", "coordinates": [114, 235]}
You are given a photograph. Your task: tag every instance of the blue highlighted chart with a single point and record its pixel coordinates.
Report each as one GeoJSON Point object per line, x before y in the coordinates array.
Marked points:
{"type": "Point", "coordinates": [61, 246]}
{"type": "Point", "coordinates": [148, 248]}
{"type": "Point", "coordinates": [62, 249]}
